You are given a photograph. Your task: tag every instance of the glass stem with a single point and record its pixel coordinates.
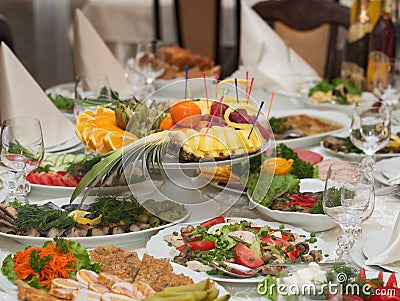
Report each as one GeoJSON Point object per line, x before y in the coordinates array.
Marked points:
{"type": "Point", "coordinates": [344, 244]}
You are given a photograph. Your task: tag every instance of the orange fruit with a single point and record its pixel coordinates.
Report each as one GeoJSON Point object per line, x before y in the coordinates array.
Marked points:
{"type": "Point", "coordinates": [96, 136]}
{"type": "Point", "coordinates": [105, 112]}
{"type": "Point", "coordinates": [167, 123]}
{"type": "Point", "coordinates": [186, 113]}
{"type": "Point", "coordinates": [114, 140]}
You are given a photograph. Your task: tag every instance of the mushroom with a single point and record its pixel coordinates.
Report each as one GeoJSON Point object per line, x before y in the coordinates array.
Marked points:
{"type": "Point", "coordinates": [307, 258]}
{"type": "Point", "coordinates": [317, 256]}
{"type": "Point", "coordinates": [266, 257]}
{"type": "Point", "coordinates": [303, 247]}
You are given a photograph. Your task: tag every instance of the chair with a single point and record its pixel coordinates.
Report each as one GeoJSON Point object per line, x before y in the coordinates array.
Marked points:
{"type": "Point", "coordinates": [198, 24]}
{"type": "Point", "coordinates": [5, 33]}
{"type": "Point", "coordinates": [305, 18]}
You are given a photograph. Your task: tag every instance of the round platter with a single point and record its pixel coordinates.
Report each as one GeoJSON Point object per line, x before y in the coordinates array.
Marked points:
{"type": "Point", "coordinates": [93, 241]}
{"type": "Point", "coordinates": [159, 248]}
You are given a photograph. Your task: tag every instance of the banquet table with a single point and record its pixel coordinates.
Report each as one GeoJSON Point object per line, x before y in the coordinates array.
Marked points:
{"type": "Point", "coordinates": [385, 214]}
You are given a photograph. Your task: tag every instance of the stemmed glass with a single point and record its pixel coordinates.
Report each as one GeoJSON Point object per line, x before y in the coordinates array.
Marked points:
{"type": "Point", "coordinates": [22, 150]}
{"type": "Point", "coordinates": [370, 129]}
{"type": "Point", "coordinates": [91, 88]}
{"type": "Point", "coordinates": [348, 198]}
{"type": "Point", "coordinates": [150, 61]}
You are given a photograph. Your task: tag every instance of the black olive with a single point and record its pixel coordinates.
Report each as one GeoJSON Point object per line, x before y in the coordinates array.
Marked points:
{"type": "Point", "coordinates": [345, 91]}
{"type": "Point", "coordinates": [336, 92]}
{"type": "Point", "coordinates": [91, 215]}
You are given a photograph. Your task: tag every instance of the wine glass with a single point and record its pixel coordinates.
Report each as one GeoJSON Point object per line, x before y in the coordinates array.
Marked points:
{"type": "Point", "coordinates": [150, 61]}
{"type": "Point", "coordinates": [349, 199]}
{"type": "Point", "coordinates": [370, 129]}
{"type": "Point", "coordinates": [91, 88]}
{"type": "Point", "coordinates": [22, 151]}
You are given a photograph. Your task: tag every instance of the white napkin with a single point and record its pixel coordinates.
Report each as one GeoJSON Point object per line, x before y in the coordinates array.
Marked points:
{"type": "Point", "coordinates": [262, 48]}
{"type": "Point", "coordinates": [391, 252]}
{"type": "Point", "coordinates": [21, 96]}
{"type": "Point", "coordinates": [93, 58]}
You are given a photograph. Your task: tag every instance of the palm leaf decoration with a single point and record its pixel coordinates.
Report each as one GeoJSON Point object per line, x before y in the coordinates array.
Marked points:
{"type": "Point", "coordinates": [149, 150]}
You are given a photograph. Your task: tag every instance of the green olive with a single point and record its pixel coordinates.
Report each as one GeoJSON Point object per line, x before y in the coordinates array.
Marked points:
{"type": "Point", "coordinates": [143, 218]}
{"type": "Point", "coordinates": [154, 221]}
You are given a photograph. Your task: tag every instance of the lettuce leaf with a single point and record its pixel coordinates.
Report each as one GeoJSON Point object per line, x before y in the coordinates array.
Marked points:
{"type": "Point", "coordinates": [264, 195]}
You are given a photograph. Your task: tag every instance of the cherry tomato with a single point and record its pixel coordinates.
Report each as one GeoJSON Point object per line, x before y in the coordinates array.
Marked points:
{"type": "Point", "coordinates": [167, 123]}
{"type": "Point", "coordinates": [247, 257]}
{"type": "Point", "coordinates": [203, 245]}
{"type": "Point", "coordinates": [186, 113]}
{"type": "Point", "coordinates": [214, 221]}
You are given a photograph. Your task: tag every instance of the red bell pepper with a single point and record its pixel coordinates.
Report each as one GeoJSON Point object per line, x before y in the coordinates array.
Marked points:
{"type": "Point", "coordinates": [392, 281]}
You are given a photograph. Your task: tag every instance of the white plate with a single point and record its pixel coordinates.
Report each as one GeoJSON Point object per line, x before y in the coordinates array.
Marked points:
{"type": "Point", "coordinates": [12, 289]}
{"type": "Point", "coordinates": [93, 241]}
{"type": "Point", "coordinates": [159, 248]}
{"type": "Point", "coordinates": [62, 191]}
{"type": "Point", "coordinates": [307, 221]}
{"type": "Point", "coordinates": [65, 146]}
{"type": "Point", "coordinates": [376, 243]}
{"type": "Point", "coordinates": [346, 109]}
{"type": "Point", "coordinates": [386, 169]}
{"type": "Point", "coordinates": [302, 142]}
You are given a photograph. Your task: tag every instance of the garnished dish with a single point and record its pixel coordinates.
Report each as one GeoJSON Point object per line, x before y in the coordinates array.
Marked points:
{"type": "Point", "coordinates": [336, 92]}
{"type": "Point", "coordinates": [295, 126]}
{"type": "Point", "coordinates": [294, 194]}
{"type": "Point", "coordinates": [343, 146]}
{"type": "Point", "coordinates": [64, 270]}
{"type": "Point", "coordinates": [247, 243]}
{"type": "Point", "coordinates": [305, 127]}
{"type": "Point", "coordinates": [353, 285]}
{"type": "Point", "coordinates": [115, 218]}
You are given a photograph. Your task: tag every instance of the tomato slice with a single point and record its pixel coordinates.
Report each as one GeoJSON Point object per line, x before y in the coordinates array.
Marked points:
{"type": "Point", "coordinates": [202, 245]}
{"type": "Point", "coordinates": [392, 281]}
{"type": "Point", "coordinates": [70, 181]}
{"type": "Point", "coordinates": [58, 180]}
{"type": "Point", "coordinates": [46, 179]}
{"type": "Point", "coordinates": [247, 257]}
{"type": "Point", "coordinates": [214, 221]}
{"type": "Point", "coordinates": [274, 241]}
{"type": "Point", "coordinates": [361, 275]}
{"type": "Point", "coordinates": [293, 254]}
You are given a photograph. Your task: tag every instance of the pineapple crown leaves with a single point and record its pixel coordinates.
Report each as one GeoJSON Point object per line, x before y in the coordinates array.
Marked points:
{"type": "Point", "coordinates": [148, 149]}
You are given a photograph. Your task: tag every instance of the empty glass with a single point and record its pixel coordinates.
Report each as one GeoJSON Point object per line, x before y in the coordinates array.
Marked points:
{"type": "Point", "coordinates": [349, 199]}
{"type": "Point", "coordinates": [370, 128]}
{"type": "Point", "coordinates": [90, 88]}
{"type": "Point", "coordinates": [150, 61]}
{"type": "Point", "coordinates": [22, 150]}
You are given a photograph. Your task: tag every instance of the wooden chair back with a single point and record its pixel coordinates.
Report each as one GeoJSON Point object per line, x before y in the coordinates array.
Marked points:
{"type": "Point", "coordinates": [311, 28]}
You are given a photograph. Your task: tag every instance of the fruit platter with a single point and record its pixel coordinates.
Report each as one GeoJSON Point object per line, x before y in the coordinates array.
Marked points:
{"type": "Point", "coordinates": [245, 242]}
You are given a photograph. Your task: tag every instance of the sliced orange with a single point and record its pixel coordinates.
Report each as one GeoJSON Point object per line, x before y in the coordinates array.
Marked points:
{"type": "Point", "coordinates": [96, 138]}
{"type": "Point", "coordinates": [105, 112]}
{"type": "Point", "coordinates": [85, 133]}
{"type": "Point", "coordinates": [114, 140]}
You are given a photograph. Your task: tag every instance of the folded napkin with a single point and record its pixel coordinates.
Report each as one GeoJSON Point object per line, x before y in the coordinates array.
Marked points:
{"type": "Point", "coordinates": [21, 96]}
{"type": "Point", "coordinates": [391, 252]}
{"type": "Point", "coordinates": [262, 48]}
{"type": "Point", "coordinates": [93, 58]}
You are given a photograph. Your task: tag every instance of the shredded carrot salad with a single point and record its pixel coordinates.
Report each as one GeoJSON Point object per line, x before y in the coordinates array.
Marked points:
{"type": "Point", "coordinates": [55, 264]}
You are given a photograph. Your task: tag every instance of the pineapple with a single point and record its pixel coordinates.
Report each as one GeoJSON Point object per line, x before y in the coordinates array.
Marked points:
{"type": "Point", "coordinates": [123, 113]}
